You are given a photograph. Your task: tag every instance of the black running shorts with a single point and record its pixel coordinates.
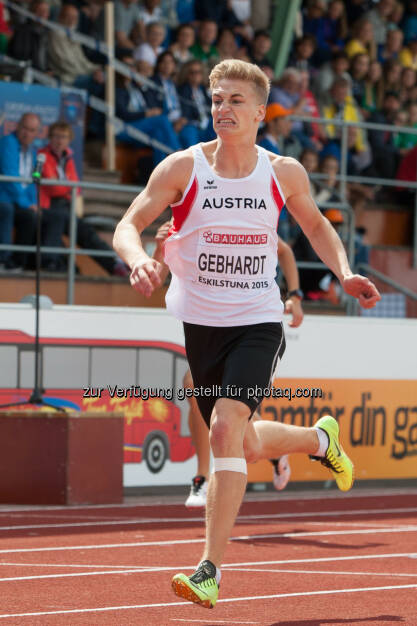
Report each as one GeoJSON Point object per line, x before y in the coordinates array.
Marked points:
{"type": "Point", "coordinates": [235, 362]}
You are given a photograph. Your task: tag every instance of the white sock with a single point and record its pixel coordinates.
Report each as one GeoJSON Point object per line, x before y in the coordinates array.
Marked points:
{"type": "Point", "coordinates": [218, 575]}
{"type": "Point", "coordinates": [323, 442]}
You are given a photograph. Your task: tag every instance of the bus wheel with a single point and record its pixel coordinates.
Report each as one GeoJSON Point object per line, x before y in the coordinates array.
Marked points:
{"type": "Point", "coordinates": [155, 454]}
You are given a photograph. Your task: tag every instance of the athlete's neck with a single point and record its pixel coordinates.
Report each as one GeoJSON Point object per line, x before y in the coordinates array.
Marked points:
{"type": "Point", "coordinates": [233, 160]}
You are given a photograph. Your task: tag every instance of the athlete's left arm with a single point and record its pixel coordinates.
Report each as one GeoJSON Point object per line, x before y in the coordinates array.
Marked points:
{"type": "Point", "coordinates": [320, 232]}
{"type": "Point", "coordinates": [287, 263]}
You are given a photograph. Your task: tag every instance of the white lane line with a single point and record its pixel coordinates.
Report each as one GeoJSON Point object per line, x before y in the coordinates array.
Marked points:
{"type": "Point", "coordinates": [240, 518]}
{"type": "Point", "coordinates": [313, 571]}
{"type": "Point", "coordinates": [139, 567]}
{"type": "Point", "coordinates": [232, 569]}
{"type": "Point", "coordinates": [141, 544]}
{"type": "Point", "coordinates": [396, 555]}
{"type": "Point", "coordinates": [225, 600]}
{"type": "Point", "coordinates": [212, 621]}
{"type": "Point", "coordinates": [247, 567]}
{"type": "Point", "coordinates": [73, 575]}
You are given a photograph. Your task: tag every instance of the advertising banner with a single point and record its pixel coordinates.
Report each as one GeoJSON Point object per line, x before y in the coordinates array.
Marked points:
{"type": "Point", "coordinates": [51, 104]}
{"type": "Point", "coordinates": [361, 371]}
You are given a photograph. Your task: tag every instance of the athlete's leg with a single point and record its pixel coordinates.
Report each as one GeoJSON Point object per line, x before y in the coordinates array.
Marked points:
{"type": "Point", "coordinates": [268, 440]}
{"type": "Point", "coordinates": [226, 487]}
{"type": "Point", "coordinates": [199, 431]}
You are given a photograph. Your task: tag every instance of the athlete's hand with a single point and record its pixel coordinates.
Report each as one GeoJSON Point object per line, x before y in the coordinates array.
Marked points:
{"type": "Point", "coordinates": [162, 233]}
{"type": "Point", "coordinates": [145, 276]}
{"type": "Point", "coordinates": [361, 288]}
{"type": "Point", "coordinates": [294, 307]}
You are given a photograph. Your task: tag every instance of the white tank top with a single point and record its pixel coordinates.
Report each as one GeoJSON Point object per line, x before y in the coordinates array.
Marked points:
{"type": "Point", "coordinates": [222, 251]}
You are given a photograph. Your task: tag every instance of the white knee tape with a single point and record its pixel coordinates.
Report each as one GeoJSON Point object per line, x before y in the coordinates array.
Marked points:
{"type": "Point", "coordinates": [230, 464]}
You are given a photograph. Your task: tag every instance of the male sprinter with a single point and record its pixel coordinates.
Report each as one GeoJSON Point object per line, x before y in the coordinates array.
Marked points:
{"type": "Point", "coordinates": [198, 428]}
{"type": "Point", "coordinates": [226, 196]}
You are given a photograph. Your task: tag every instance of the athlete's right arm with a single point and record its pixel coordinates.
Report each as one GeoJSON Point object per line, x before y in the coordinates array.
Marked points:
{"type": "Point", "coordinates": [165, 187]}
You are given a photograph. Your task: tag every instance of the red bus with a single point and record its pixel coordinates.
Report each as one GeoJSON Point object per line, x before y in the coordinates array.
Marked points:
{"type": "Point", "coordinates": [107, 374]}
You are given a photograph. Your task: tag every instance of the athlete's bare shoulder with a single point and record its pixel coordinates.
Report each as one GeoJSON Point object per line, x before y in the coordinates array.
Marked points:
{"type": "Point", "coordinates": [290, 173]}
{"type": "Point", "coordinates": [177, 166]}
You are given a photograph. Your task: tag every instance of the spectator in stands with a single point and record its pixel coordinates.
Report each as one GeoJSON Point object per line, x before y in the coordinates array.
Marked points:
{"type": "Point", "coordinates": [343, 107]}
{"type": "Point", "coordinates": [91, 23]}
{"type": "Point", "coordinates": [380, 19]}
{"type": "Point", "coordinates": [313, 133]}
{"type": "Point", "coordinates": [288, 93]}
{"type": "Point", "coordinates": [195, 104]}
{"type": "Point", "coordinates": [155, 11]}
{"type": "Point", "coordinates": [406, 141]}
{"type": "Point", "coordinates": [184, 40]}
{"type": "Point", "coordinates": [309, 159]}
{"type": "Point", "coordinates": [397, 14]}
{"type": "Point", "coordinates": [355, 9]}
{"type": "Point", "coordinates": [241, 14]}
{"type": "Point", "coordinates": [302, 56]}
{"type": "Point", "coordinates": [359, 68]}
{"type": "Point", "coordinates": [374, 90]}
{"type": "Point", "coordinates": [362, 39]}
{"type": "Point", "coordinates": [66, 57]}
{"type": "Point", "coordinates": [56, 203]}
{"type": "Point", "coordinates": [313, 20]}
{"type": "Point", "coordinates": [126, 21]}
{"type": "Point", "coordinates": [227, 47]}
{"type": "Point", "coordinates": [18, 200]}
{"type": "Point", "coordinates": [259, 50]}
{"type": "Point", "coordinates": [150, 11]}
{"type": "Point", "coordinates": [410, 21]}
{"type": "Point", "coordinates": [328, 26]}
{"type": "Point", "coordinates": [408, 55]}
{"type": "Point", "coordinates": [215, 11]}
{"type": "Point", "coordinates": [337, 67]}
{"type": "Point", "coordinates": [139, 109]}
{"type": "Point", "coordinates": [185, 11]}
{"type": "Point", "coordinates": [391, 48]}
{"type": "Point", "coordinates": [391, 75]}
{"type": "Point", "coordinates": [164, 71]}
{"type": "Point", "coordinates": [328, 188]}
{"type": "Point", "coordinates": [408, 83]}
{"type": "Point", "coordinates": [204, 49]}
{"type": "Point", "coordinates": [152, 46]}
{"type": "Point", "coordinates": [336, 27]}
{"type": "Point", "coordinates": [278, 136]}
{"type": "Point", "coordinates": [5, 31]}
{"type": "Point", "coordinates": [30, 39]}
{"type": "Point", "coordinates": [385, 153]}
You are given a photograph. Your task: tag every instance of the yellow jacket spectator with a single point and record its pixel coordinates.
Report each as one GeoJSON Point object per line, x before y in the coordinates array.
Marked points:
{"type": "Point", "coordinates": [343, 107]}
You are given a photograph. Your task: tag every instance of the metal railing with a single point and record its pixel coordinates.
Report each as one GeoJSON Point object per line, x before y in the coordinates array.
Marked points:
{"type": "Point", "coordinates": [72, 250]}
{"type": "Point", "coordinates": [344, 178]}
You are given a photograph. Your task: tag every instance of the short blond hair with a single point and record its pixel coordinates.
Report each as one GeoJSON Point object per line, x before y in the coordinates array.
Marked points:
{"type": "Point", "coordinates": [234, 69]}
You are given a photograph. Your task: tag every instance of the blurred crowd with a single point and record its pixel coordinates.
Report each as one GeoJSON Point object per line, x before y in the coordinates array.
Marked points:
{"type": "Point", "coordinates": [352, 60]}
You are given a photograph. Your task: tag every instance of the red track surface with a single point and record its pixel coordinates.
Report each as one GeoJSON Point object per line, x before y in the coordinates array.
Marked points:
{"type": "Point", "coordinates": [295, 561]}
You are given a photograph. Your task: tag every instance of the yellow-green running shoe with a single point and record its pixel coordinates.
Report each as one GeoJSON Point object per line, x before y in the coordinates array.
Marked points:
{"type": "Point", "coordinates": [200, 588]}
{"type": "Point", "coordinates": [336, 459]}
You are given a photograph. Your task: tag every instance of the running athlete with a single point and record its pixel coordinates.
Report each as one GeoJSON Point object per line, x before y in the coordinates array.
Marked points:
{"type": "Point", "coordinates": [226, 196]}
{"type": "Point", "coordinates": [198, 428]}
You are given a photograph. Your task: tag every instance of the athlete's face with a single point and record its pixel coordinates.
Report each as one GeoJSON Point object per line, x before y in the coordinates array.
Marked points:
{"type": "Point", "coordinates": [236, 107]}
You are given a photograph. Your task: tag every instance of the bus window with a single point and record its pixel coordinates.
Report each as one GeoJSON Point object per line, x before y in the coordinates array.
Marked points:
{"type": "Point", "coordinates": [65, 367]}
{"type": "Point", "coordinates": [155, 368]}
{"type": "Point", "coordinates": [104, 371]}
{"type": "Point", "coordinates": [27, 367]}
{"type": "Point", "coordinates": [8, 366]}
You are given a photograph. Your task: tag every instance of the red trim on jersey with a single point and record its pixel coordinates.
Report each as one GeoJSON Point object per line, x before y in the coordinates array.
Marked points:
{"type": "Point", "coordinates": [181, 211]}
{"type": "Point", "coordinates": [276, 196]}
